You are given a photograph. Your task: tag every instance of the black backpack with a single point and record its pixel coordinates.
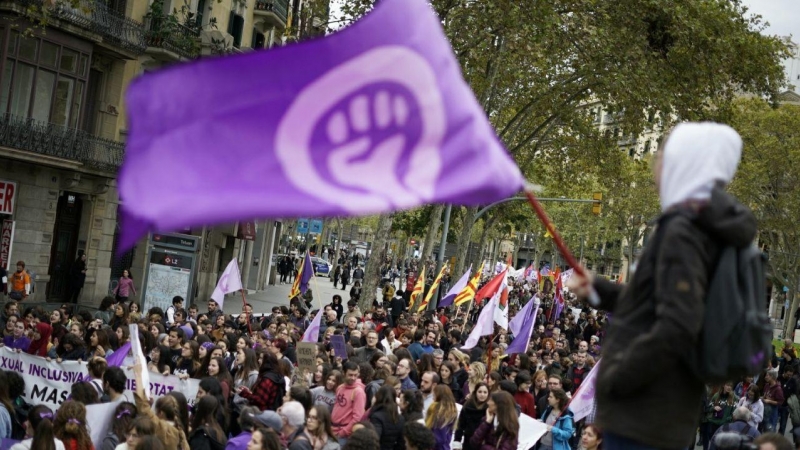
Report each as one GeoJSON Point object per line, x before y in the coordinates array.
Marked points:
{"type": "Point", "coordinates": [736, 338]}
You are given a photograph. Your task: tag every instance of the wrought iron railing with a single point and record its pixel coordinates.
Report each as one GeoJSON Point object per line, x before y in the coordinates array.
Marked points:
{"type": "Point", "coordinates": [113, 26]}
{"type": "Point", "coordinates": [62, 142]}
{"type": "Point", "coordinates": [163, 33]}
{"type": "Point", "coordinates": [279, 7]}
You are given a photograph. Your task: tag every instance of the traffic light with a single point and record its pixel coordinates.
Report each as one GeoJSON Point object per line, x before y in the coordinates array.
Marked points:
{"type": "Point", "coordinates": [597, 206]}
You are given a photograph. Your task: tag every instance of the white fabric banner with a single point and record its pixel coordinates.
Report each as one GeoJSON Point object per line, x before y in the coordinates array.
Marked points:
{"type": "Point", "coordinates": [49, 382]}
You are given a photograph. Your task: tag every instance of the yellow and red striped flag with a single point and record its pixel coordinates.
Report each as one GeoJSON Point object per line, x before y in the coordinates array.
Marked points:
{"type": "Point", "coordinates": [468, 293]}
{"type": "Point", "coordinates": [295, 291]}
{"type": "Point", "coordinates": [432, 290]}
{"type": "Point", "coordinates": [419, 287]}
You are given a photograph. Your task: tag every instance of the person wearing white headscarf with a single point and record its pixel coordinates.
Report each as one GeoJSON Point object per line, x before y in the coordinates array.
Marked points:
{"type": "Point", "coordinates": [647, 396]}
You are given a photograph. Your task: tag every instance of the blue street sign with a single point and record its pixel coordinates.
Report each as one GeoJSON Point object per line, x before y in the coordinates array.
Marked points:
{"type": "Point", "coordinates": [302, 226]}
{"type": "Point", "coordinates": [316, 226]}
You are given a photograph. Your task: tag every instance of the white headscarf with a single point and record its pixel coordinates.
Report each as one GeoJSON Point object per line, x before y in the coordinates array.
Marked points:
{"type": "Point", "coordinates": [696, 157]}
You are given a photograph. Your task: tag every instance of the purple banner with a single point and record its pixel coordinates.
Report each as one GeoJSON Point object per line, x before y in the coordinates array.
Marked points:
{"type": "Point", "coordinates": [371, 119]}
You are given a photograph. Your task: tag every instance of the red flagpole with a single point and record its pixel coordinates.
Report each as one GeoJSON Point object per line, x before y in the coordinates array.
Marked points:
{"type": "Point", "coordinates": [562, 247]}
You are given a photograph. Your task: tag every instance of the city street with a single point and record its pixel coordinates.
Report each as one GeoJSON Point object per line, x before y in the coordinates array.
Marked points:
{"type": "Point", "coordinates": [278, 295]}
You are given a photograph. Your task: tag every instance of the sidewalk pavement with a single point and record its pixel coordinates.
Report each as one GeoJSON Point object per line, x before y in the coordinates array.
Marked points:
{"type": "Point", "coordinates": [278, 295]}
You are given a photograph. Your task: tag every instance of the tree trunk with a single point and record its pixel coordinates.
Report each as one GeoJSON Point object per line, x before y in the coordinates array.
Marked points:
{"type": "Point", "coordinates": [464, 239]}
{"type": "Point", "coordinates": [477, 259]}
{"type": "Point", "coordinates": [372, 272]}
{"type": "Point", "coordinates": [788, 321]}
{"type": "Point", "coordinates": [337, 247]}
{"type": "Point", "coordinates": [430, 236]}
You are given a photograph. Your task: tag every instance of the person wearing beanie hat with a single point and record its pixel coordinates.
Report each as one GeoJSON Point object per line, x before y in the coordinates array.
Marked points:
{"type": "Point", "coordinates": [270, 419]}
{"type": "Point", "coordinates": [188, 332]}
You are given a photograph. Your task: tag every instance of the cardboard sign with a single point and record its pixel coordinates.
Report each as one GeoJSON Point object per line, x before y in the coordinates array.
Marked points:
{"type": "Point", "coordinates": [339, 347]}
{"type": "Point", "coordinates": [307, 356]}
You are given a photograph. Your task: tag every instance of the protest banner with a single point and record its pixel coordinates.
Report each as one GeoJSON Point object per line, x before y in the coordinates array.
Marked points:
{"type": "Point", "coordinates": [50, 382]}
{"type": "Point", "coordinates": [307, 356]}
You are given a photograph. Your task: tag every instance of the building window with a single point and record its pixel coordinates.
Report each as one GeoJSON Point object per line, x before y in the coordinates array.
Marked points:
{"type": "Point", "coordinates": [258, 39]}
{"type": "Point", "coordinates": [647, 147]}
{"type": "Point", "coordinates": [43, 80]}
{"type": "Point", "coordinates": [235, 28]}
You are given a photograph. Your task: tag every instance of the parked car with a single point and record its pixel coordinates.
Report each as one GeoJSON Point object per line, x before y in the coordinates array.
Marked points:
{"type": "Point", "coordinates": [321, 267]}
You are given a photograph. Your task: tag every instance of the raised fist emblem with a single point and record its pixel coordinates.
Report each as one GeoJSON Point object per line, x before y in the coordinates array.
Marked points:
{"type": "Point", "coordinates": [365, 138]}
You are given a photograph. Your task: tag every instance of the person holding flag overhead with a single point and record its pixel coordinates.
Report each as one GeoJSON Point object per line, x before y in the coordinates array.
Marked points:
{"type": "Point", "coordinates": [304, 274]}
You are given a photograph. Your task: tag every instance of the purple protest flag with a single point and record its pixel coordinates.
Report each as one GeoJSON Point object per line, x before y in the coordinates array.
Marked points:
{"type": "Point", "coordinates": [308, 272]}
{"type": "Point", "coordinates": [116, 358]}
{"type": "Point", "coordinates": [312, 332]}
{"type": "Point", "coordinates": [523, 337]}
{"type": "Point", "coordinates": [515, 324]}
{"type": "Point", "coordinates": [448, 298]}
{"type": "Point", "coordinates": [374, 118]}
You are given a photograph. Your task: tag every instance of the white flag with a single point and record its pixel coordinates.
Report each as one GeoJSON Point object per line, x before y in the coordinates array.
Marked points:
{"type": "Point", "coordinates": [484, 326]}
{"type": "Point", "coordinates": [138, 355]}
{"type": "Point", "coordinates": [501, 307]}
{"type": "Point", "coordinates": [582, 402]}
{"type": "Point", "coordinates": [230, 281]}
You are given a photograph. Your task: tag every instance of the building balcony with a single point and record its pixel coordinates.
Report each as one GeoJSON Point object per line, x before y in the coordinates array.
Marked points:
{"type": "Point", "coordinates": [171, 41]}
{"type": "Point", "coordinates": [276, 12]}
{"type": "Point", "coordinates": [30, 135]}
{"type": "Point", "coordinates": [114, 29]}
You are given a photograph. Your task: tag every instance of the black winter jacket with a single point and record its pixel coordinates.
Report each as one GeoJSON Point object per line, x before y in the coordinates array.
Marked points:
{"type": "Point", "coordinates": [468, 421]}
{"type": "Point", "coordinates": [201, 439]}
{"type": "Point", "coordinates": [645, 390]}
{"type": "Point", "coordinates": [391, 433]}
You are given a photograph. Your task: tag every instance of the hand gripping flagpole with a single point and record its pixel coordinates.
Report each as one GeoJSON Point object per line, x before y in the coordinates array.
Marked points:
{"type": "Point", "coordinates": [594, 299]}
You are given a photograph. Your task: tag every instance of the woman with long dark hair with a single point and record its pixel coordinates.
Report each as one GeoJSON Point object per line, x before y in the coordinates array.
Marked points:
{"type": "Point", "coordinates": [411, 403]}
{"type": "Point", "coordinates": [99, 345]}
{"type": "Point", "coordinates": [206, 432]}
{"type": "Point", "coordinates": [269, 391]}
{"type": "Point", "coordinates": [210, 386]}
{"type": "Point", "coordinates": [441, 417]}
{"type": "Point", "coordinates": [57, 324]}
{"type": "Point", "coordinates": [159, 360]}
{"type": "Point", "coordinates": [500, 429]}
{"type": "Point", "coordinates": [387, 420]}
{"type": "Point", "coordinates": [558, 419]}
{"type": "Point", "coordinates": [39, 429]}
{"type": "Point", "coordinates": [471, 415]}
{"type": "Point", "coordinates": [188, 364]}
{"type": "Point", "coordinates": [447, 377]}
{"type": "Point", "coordinates": [120, 317]}
{"type": "Point", "coordinates": [124, 287]}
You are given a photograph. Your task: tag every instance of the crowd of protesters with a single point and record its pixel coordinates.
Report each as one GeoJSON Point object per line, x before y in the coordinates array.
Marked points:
{"type": "Point", "coordinates": [406, 381]}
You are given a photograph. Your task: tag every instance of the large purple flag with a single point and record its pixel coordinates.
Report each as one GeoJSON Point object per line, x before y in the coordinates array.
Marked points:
{"type": "Point", "coordinates": [116, 358]}
{"type": "Point", "coordinates": [523, 336]}
{"type": "Point", "coordinates": [371, 119]}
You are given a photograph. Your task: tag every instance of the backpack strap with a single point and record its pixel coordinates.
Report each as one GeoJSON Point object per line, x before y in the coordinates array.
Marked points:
{"type": "Point", "coordinates": [746, 430]}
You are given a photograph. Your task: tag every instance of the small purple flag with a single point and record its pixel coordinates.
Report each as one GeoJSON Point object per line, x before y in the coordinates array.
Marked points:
{"type": "Point", "coordinates": [371, 119]}
{"type": "Point", "coordinates": [312, 332]}
{"type": "Point", "coordinates": [524, 329]}
{"type": "Point", "coordinates": [116, 358]}
{"type": "Point", "coordinates": [308, 272]}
